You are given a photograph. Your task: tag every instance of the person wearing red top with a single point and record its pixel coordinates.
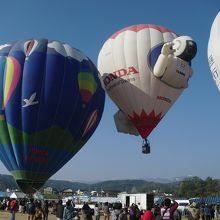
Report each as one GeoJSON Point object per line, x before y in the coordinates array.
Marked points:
{"type": "Point", "coordinates": [148, 215]}
{"type": "Point", "coordinates": [168, 209]}
{"type": "Point", "coordinates": [13, 208]}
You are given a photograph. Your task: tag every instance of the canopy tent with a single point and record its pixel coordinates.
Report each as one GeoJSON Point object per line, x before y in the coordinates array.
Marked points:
{"type": "Point", "coordinates": [2, 194]}
{"type": "Point", "coordinates": [5, 194]}
{"type": "Point", "coordinates": [18, 195]}
{"type": "Point", "coordinates": [91, 199]}
{"type": "Point", "coordinates": [38, 196]}
{"type": "Point", "coordinates": [159, 200]}
{"type": "Point", "coordinates": [98, 199]}
{"type": "Point", "coordinates": [209, 200]}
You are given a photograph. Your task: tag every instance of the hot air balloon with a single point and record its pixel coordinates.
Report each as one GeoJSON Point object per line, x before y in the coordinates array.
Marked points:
{"type": "Point", "coordinates": [51, 101]}
{"type": "Point", "coordinates": [214, 50]}
{"type": "Point", "coordinates": [144, 69]}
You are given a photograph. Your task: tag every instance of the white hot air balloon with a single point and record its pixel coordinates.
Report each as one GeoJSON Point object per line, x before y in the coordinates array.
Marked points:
{"type": "Point", "coordinates": [214, 50]}
{"type": "Point", "coordinates": [144, 70]}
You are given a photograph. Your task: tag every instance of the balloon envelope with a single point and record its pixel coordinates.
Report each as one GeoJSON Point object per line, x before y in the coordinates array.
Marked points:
{"type": "Point", "coordinates": [51, 102]}
{"type": "Point", "coordinates": [126, 62]}
{"type": "Point", "coordinates": [214, 50]}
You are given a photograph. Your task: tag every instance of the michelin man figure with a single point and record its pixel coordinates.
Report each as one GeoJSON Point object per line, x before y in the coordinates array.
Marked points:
{"type": "Point", "coordinates": [173, 64]}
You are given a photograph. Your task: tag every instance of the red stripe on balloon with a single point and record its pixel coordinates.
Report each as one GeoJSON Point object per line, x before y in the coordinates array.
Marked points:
{"type": "Point", "coordinates": [90, 122]}
{"type": "Point", "coordinates": [140, 27]}
{"type": "Point", "coordinates": [29, 47]}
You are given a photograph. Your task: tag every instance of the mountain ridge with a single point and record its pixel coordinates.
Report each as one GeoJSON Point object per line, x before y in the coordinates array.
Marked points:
{"type": "Point", "coordinates": [146, 184]}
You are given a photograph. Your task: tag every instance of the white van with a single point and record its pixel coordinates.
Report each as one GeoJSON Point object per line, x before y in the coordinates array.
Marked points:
{"type": "Point", "coordinates": [183, 205]}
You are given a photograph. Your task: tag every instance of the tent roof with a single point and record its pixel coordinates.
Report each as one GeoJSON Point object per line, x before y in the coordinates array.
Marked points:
{"type": "Point", "coordinates": [209, 200]}
{"type": "Point", "coordinates": [5, 194]}
{"type": "Point", "coordinates": [18, 195]}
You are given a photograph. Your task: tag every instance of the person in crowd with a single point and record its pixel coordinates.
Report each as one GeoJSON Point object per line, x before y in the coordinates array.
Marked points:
{"type": "Point", "coordinates": [193, 212]}
{"type": "Point", "coordinates": [77, 215]}
{"type": "Point", "coordinates": [8, 205]}
{"type": "Point", "coordinates": [45, 209]}
{"type": "Point", "coordinates": [138, 212]}
{"type": "Point", "coordinates": [148, 214]}
{"type": "Point", "coordinates": [132, 212]}
{"type": "Point", "coordinates": [13, 208]}
{"type": "Point", "coordinates": [177, 215]}
{"type": "Point", "coordinates": [31, 209]}
{"type": "Point", "coordinates": [86, 212]}
{"type": "Point", "coordinates": [212, 212]}
{"type": "Point", "coordinates": [68, 212]}
{"type": "Point", "coordinates": [4, 204]}
{"type": "Point", "coordinates": [184, 210]}
{"type": "Point", "coordinates": [157, 212]}
{"type": "Point", "coordinates": [54, 206]}
{"type": "Point", "coordinates": [59, 210]}
{"type": "Point", "coordinates": [38, 212]}
{"type": "Point", "coordinates": [97, 211]}
{"type": "Point", "coordinates": [22, 205]}
{"type": "Point", "coordinates": [106, 211]}
{"type": "Point", "coordinates": [202, 213]}
{"type": "Point", "coordinates": [168, 209]}
{"type": "Point", "coordinates": [123, 215]}
{"type": "Point", "coordinates": [207, 212]}
{"type": "Point", "coordinates": [216, 211]}
{"type": "Point", "coordinates": [116, 211]}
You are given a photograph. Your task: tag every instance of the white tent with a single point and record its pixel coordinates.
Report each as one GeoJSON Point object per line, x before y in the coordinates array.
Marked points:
{"type": "Point", "coordinates": [38, 196]}
{"type": "Point", "coordinates": [18, 195]}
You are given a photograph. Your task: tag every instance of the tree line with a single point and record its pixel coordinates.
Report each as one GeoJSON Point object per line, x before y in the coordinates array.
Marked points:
{"type": "Point", "coordinates": [188, 188]}
{"type": "Point", "coordinates": [197, 187]}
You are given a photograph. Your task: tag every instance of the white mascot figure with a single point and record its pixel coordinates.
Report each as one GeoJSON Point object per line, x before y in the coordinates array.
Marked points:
{"type": "Point", "coordinates": [173, 64]}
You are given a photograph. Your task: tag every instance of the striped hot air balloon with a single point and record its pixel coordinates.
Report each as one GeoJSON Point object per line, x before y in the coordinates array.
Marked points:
{"type": "Point", "coordinates": [43, 123]}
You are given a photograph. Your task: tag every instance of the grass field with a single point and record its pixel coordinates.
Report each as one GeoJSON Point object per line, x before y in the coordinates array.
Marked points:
{"type": "Point", "coordinates": [19, 216]}
{"type": "Point", "coordinates": [4, 215]}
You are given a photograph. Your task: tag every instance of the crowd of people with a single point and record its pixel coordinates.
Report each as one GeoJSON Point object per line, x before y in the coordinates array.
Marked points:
{"type": "Point", "coordinates": [168, 210]}
{"type": "Point", "coordinates": [35, 209]}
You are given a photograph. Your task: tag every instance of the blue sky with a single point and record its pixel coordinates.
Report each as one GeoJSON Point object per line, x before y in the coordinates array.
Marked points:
{"type": "Point", "coordinates": [186, 141]}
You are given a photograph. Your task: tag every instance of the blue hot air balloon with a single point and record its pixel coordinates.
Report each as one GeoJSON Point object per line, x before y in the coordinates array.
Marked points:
{"type": "Point", "coordinates": [51, 101]}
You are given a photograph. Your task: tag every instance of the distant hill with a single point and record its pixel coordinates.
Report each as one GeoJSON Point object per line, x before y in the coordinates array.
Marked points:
{"type": "Point", "coordinates": [62, 184]}
{"type": "Point", "coordinates": [7, 181]}
{"type": "Point", "coordinates": [167, 180]}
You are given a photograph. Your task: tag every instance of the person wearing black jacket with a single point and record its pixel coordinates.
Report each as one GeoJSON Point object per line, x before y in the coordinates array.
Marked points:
{"type": "Point", "coordinates": [59, 210]}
